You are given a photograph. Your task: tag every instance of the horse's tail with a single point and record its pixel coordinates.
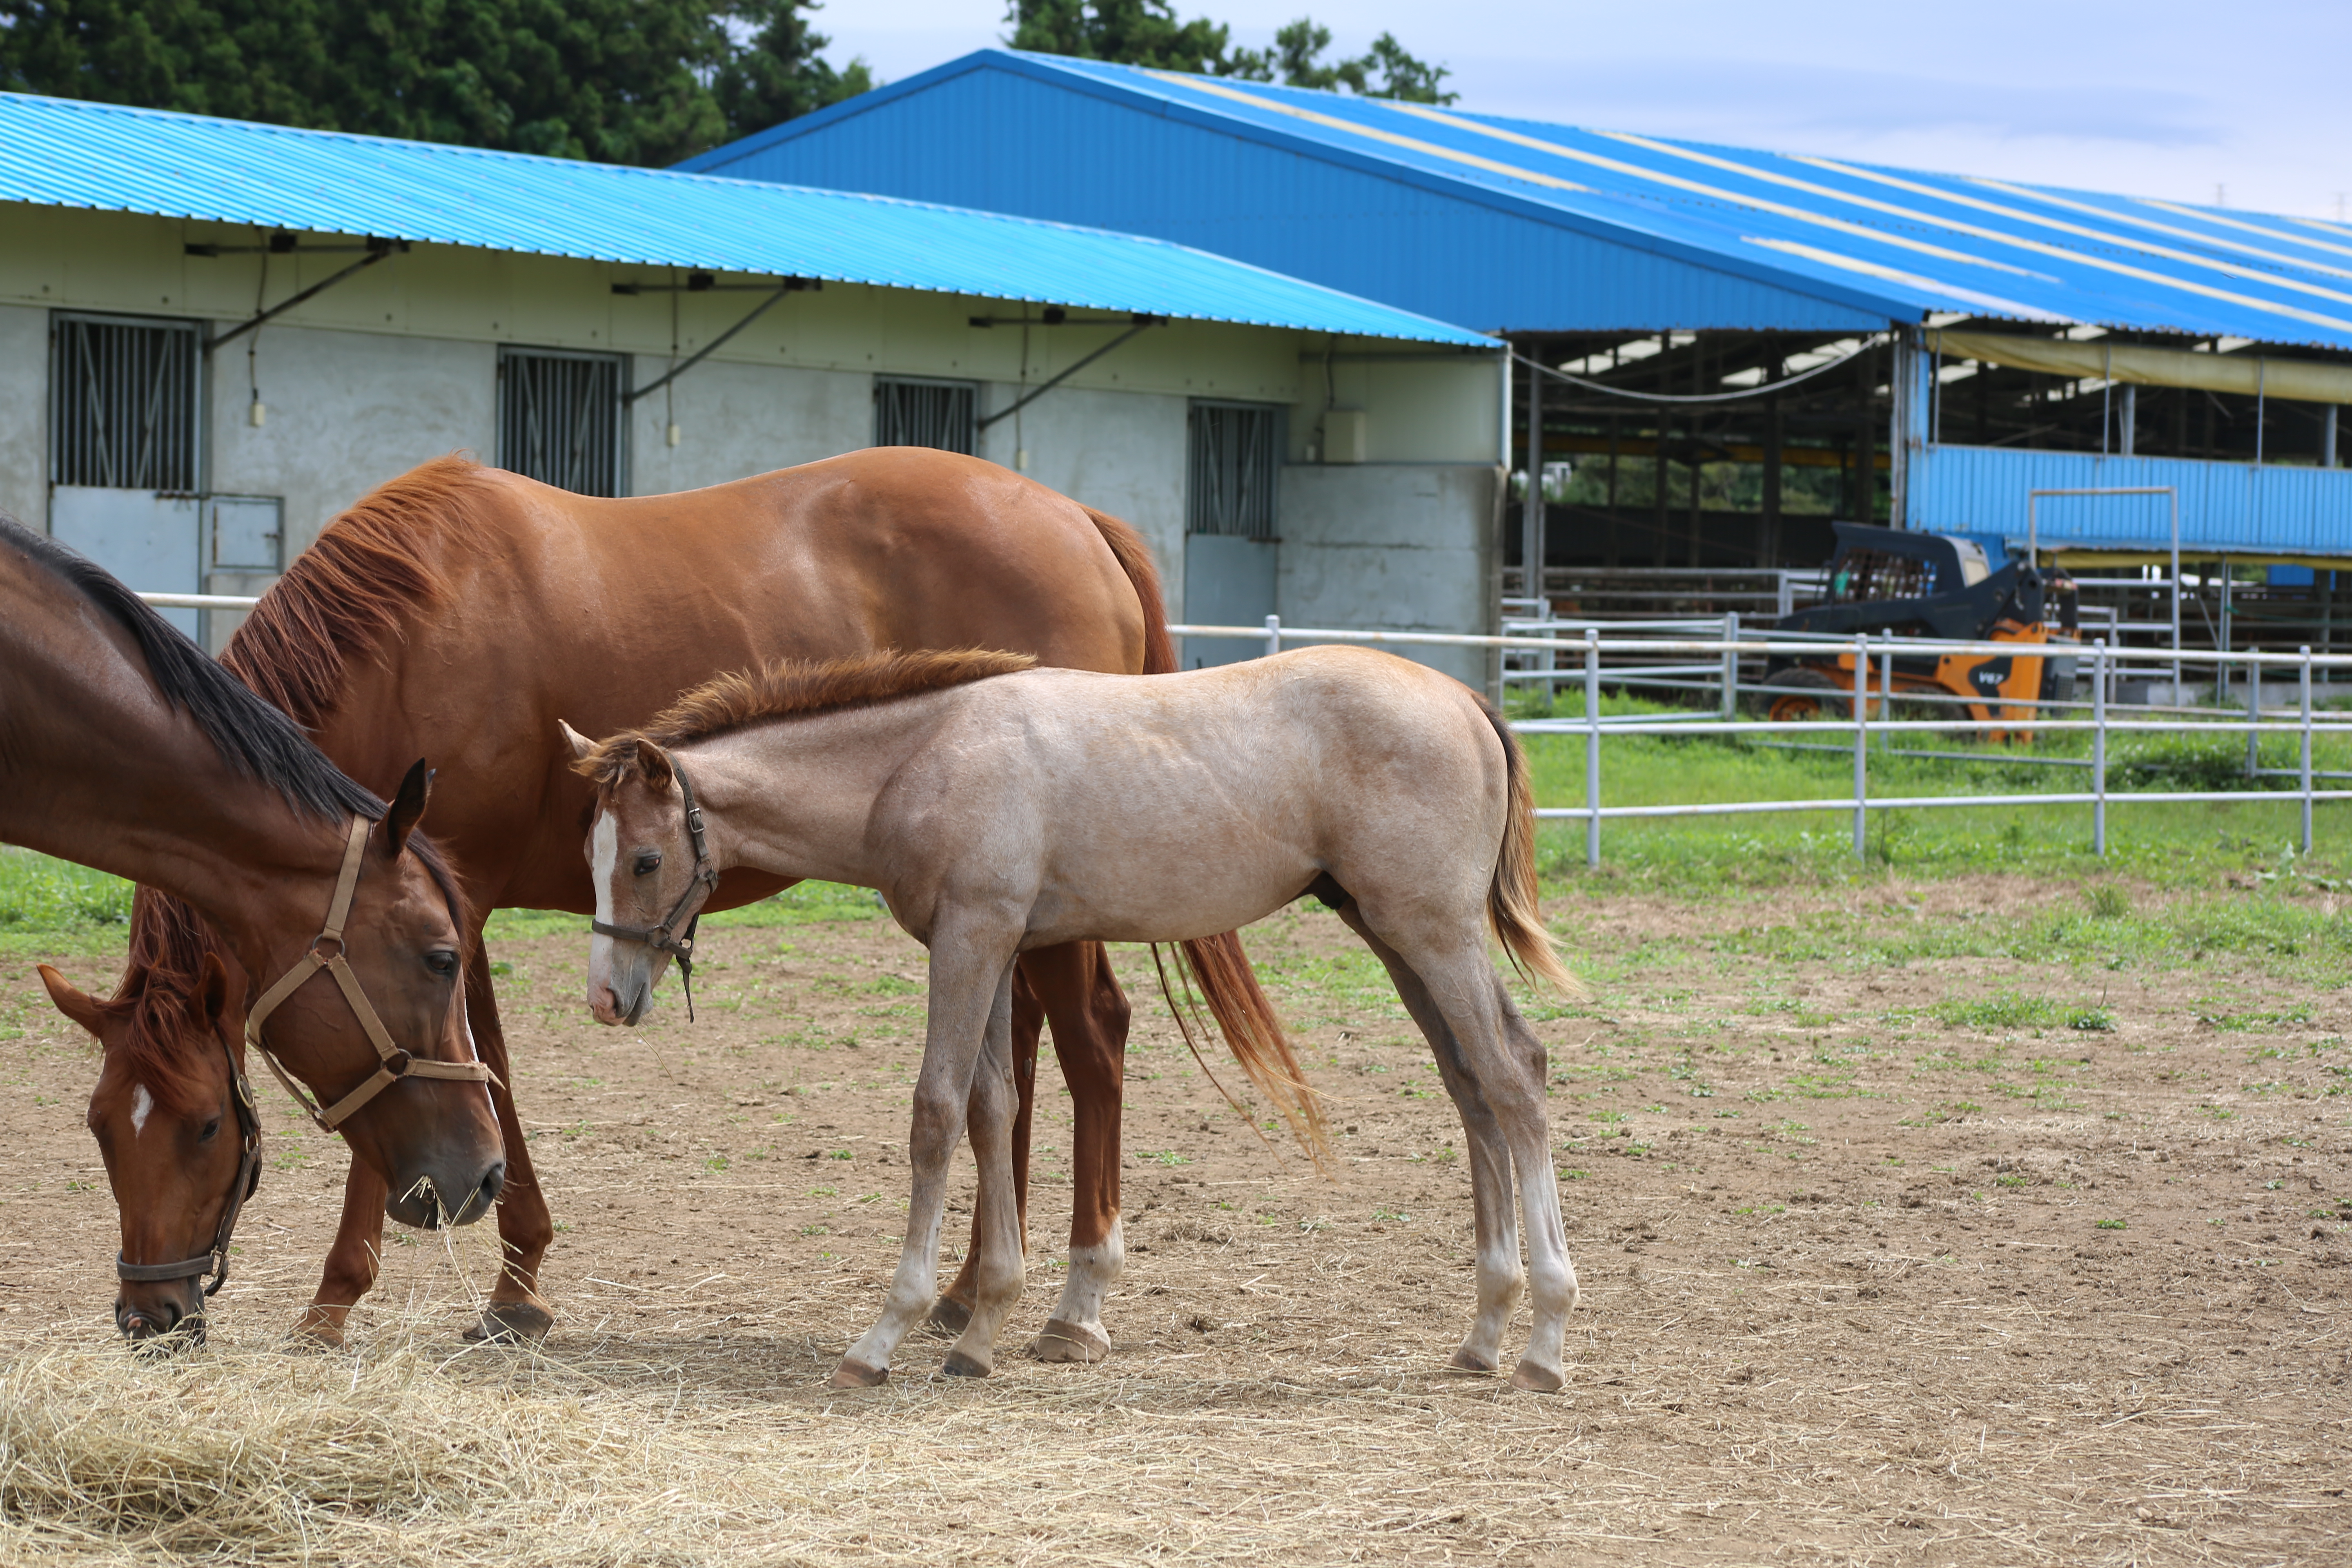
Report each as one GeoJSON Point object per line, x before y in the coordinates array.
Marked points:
{"type": "Point", "coordinates": [1511, 901]}
{"type": "Point", "coordinates": [1221, 971]}
{"type": "Point", "coordinates": [1135, 559]}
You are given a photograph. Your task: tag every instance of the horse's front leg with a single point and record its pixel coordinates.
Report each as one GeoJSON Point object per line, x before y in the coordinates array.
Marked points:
{"type": "Point", "coordinates": [1089, 1015]}
{"type": "Point", "coordinates": [997, 1213]}
{"type": "Point", "coordinates": [353, 1259]}
{"type": "Point", "coordinates": [515, 1310]}
{"type": "Point", "coordinates": [967, 976]}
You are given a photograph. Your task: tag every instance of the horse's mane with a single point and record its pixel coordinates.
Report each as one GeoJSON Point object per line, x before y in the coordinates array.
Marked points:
{"type": "Point", "coordinates": [795, 688]}
{"type": "Point", "coordinates": [255, 738]}
{"type": "Point", "coordinates": [351, 590]}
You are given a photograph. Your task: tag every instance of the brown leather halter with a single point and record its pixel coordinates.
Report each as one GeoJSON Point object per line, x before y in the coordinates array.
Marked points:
{"type": "Point", "coordinates": [706, 878]}
{"type": "Point", "coordinates": [248, 1177]}
{"type": "Point", "coordinates": [393, 1064]}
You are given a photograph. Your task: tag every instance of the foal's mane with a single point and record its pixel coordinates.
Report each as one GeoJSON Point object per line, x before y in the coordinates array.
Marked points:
{"type": "Point", "coordinates": [795, 687]}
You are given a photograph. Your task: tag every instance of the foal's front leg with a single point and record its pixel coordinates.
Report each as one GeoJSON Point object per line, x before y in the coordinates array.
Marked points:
{"type": "Point", "coordinates": [970, 980]}
{"type": "Point", "coordinates": [996, 1266]}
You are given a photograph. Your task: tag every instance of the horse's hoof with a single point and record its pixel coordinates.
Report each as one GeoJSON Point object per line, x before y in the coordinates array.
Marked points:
{"type": "Point", "coordinates": [318, 1328]}
{"type": "Point", "coordinates": [1536, 1379]}
{"type": "Point", "coordinates": [1062, 1341]}
{"type": "Point", "coordinates": [1464, 1360]}
{"type": "Point", "coordinates": [958, 1364]}
{"type": "Point", "coordinates": [949, 1318]}
{"type": "Point", "coordinates": [857, 1375]}
{"type": "Point", "coordinates": [512, 1323]}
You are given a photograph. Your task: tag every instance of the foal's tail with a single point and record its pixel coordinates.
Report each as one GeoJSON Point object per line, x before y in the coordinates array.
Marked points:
{"type": "Point", "coordinates": [1511, 903]}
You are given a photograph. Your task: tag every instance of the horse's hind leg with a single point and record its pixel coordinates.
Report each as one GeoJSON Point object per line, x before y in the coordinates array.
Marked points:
{"type": "Point", "coordinates": [971, 982]}
{"type": "Point", "coordinates": [1499, 1280]}
{"type": "Point", "coordinates": [1089, 1016]}
{"type": "Point", "coordinates": [1497, 1049]}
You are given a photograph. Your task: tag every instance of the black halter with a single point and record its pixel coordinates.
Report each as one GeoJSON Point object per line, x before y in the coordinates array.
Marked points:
{"type": "Point", "coordinates": [706, 878]}
{"type": "Point", "coordinates": [248, 1177]}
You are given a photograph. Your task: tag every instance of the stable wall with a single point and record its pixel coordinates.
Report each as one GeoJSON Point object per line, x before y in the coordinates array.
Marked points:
{"type": "Point", "coordinates": [1394, 548]}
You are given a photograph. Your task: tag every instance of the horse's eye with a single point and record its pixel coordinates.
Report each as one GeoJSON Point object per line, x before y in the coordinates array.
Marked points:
{"type": "Point", "coordinates": [211, 1132]}
{"type": "Point", "coordinates": [648, 863]}
{"type": "Point", "coordinates": [442, 961]}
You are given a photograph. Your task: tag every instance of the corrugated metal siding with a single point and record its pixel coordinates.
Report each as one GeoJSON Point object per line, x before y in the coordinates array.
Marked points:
{"type": "Point", "coordinates": [2233, 508]}
{"type": "Point", "coordinates": [55, 152]}
{"type": "Point", "coordinates": [970, 139]}
{"type": "Point", "coordinates": [1904, 241]}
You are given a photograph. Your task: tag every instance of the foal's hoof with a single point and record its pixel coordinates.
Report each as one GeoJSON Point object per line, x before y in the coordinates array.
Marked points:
{"type": "Point", "coordinates": [512, 1323]}
{"type": "Point", "coordinates": [1466, 1359]}
{"type": "Point", "coordinates": [857, 1375]}
{"type": "Point", "coordinates": [1063, 1341]}
{"type": "Point", "coordinates": [949, 1318]}
{"type": "Point", "coordinates": [958, 1364]}
{"type": "Point", "coordinates": [1536, 1379]}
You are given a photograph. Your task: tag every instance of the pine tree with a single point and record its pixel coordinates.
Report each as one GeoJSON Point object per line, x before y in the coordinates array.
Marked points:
{"type": "Point", "coordinates": [782, 73]}
{"type": "Point", "coordinates": [1296, 60]}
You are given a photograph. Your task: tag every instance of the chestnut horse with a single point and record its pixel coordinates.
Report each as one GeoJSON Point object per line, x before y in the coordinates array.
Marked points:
{"type": "Point", "coordinates": [999, 807]}
{"type": "Point", "coordinates": [123, 747]}
{"type": "Point", "coordinates": [476, 608]}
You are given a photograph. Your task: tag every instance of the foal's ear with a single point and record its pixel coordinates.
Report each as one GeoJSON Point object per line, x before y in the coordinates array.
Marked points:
{"type": "Point", "coordinates": [78, 1006]}
{"type": "Point", "coordinates": [581, 744]}
{"type": "Point", "coordinates": [407, 809]}
{"type": "Point", "coordinates": [653, 765]}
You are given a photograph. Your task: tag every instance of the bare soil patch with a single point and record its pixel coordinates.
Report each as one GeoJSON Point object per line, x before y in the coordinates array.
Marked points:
{"type": "Point", "coordinates": [1943, 1259]}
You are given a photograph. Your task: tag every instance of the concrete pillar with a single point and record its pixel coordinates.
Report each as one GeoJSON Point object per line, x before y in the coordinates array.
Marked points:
{"type": "Point", "coordinates": [1531, 509]}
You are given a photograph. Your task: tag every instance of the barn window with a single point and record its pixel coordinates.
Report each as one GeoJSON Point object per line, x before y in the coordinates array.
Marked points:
{"type": "Point", "coordinates": [562, 420]}
{"type": "Point", "coordinates": [923, 414]}
{"type": "Point", "coordinates": [122, 403]}
{"type": "Point", "coordinates": [1234, 470]}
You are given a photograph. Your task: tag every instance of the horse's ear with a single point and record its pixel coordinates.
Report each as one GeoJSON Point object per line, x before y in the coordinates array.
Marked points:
{"type": "Point", "coordinates": [581, 744]}
{"type": "Point", "coordinates": [217, 990]}
{"type": "Point", "coordinates": [653, 763]}
{"type": "Point", "coordinates": [407, 809]}
{"type": "Point", "coordinates": [78, 1006]}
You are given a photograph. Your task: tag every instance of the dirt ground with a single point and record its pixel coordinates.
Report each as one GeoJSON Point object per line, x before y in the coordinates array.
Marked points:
{"type": "Point", "coordinates": [1883, 1262]}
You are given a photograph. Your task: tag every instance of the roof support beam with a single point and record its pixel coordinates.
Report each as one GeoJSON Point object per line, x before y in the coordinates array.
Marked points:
{"type": "Point", "coordinates": [377, 251]}
{"type": "Point", "coordinates": [789, 286]}
{"type": "Point", "coordinates": [1144, 325]}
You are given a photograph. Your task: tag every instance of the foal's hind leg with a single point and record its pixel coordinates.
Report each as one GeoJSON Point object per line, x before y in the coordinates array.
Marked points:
{"type": "Point", "coordinates": [1496, 1236]}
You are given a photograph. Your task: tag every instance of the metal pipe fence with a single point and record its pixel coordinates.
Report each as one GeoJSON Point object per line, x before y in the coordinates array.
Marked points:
{"type": "Point", "coordinates": [1873, 688]}
{"type": "Point", "coordinates": [2305, 724]}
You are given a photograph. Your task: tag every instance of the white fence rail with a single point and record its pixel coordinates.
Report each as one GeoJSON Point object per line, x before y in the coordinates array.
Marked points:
{"type": "Point", "coordinates": [1719, 657]}
{"type": "Point", "coordinates": [2303, 723]}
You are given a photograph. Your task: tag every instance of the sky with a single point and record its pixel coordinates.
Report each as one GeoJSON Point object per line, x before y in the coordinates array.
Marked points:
{"type": "Point", "coordinates": [2245, 103]}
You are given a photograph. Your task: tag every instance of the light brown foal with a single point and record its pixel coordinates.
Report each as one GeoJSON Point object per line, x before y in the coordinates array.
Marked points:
{"type": "Point", "coordinates": [999, 808]}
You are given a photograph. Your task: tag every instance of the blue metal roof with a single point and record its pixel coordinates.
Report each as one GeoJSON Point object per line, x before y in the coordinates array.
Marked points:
{"type": "Point", "coordinates": [1522, 225]}
{"type": "Point", "coordinates": [64, 152]}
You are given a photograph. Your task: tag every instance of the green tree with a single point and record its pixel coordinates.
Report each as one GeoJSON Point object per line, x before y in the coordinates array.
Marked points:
{"type": "Point", "coordinates": [624, 81]}
{"type": "Point", "coordinates": [1125, 32]}
{"type": "Point", "coordinates": [1296, 60]}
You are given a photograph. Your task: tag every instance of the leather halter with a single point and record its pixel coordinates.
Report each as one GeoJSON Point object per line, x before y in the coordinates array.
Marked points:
{"type": "Point", "coordinates": [393, 1064]}
{"type": "Point", "coordinates": [706, 878]}
{"type": "Point", "coordinates": [248, 1177]}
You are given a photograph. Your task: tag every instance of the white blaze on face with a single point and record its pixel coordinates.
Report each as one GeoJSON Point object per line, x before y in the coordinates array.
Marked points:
{"type": "Point", "coordinates": [142, 1106]}
{"type": "Point", "coordinates": [603, 856]}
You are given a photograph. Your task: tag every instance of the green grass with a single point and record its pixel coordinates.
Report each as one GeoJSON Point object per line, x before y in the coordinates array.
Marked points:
{"type": "Point", "coordinates": [2167, 844]}
{"type": "Point", "coordinates": [804, 903]}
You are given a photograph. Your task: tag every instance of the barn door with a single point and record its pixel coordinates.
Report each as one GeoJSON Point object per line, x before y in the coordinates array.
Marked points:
{"type": "Point", "coordinates": [123, 436]}
{"type": "Point", "coordinates": [1233, 472]}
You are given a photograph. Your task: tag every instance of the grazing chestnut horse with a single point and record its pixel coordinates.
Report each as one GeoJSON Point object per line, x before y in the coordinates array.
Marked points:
{"type": "Point", "coordinates": [1049, 806]}
{"type": "Point", "coordinates": [123, 747]}
{"type": "Point", "coordinates": [469, 608]}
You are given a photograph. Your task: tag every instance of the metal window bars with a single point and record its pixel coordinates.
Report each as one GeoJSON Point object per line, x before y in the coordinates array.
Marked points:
{"type": "Point", "coordinates": [1235, 469]}
{"type": "Point", "coordinates": [938, 414]}
{"type": "Point", "coordinates": [124, 407]}
{"type": "Point", "coordinates": [561, 419]}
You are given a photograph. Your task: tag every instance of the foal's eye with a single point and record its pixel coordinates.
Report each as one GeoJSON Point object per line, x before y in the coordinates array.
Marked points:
{"type": "Point", "coordinates": [211, 1132]}
{"type": "Point", "coordinates": [648, 863]}
{"type": "Point", "coordinates": [442, 961]}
